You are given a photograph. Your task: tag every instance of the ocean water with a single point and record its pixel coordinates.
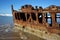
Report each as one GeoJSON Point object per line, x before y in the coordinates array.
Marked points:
{"type": "Point", "coordinates": [6, 20]}
{"type": "Point", "coordinates": [6, 23]}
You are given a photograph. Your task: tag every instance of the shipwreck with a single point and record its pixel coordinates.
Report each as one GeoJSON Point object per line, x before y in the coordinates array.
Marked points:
{"type": "Point", "coordinates": [35, 19]}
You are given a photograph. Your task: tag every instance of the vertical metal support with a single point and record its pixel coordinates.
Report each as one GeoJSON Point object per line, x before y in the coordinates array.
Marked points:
{"type": "Point", "coordinates": [37, 17]}
{"type": "Point", "coordinates": [53, 19]}
{"type": "Point", "coordinates": [26, 16]}
{"type": "Point", "coordinates": [46, 18]}
{"type": "Point", "coordinates": [29, 17]}
{"type": "Point", "coordinates": [43, 18]}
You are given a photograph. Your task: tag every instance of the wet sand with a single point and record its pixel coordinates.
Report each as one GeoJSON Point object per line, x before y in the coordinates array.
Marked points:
{"type": "Point", "coordinates": [18, 36]}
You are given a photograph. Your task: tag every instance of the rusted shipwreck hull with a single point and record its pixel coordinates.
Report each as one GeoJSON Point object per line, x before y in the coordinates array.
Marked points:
{"type": "Point", "coordinates": [36, 18]}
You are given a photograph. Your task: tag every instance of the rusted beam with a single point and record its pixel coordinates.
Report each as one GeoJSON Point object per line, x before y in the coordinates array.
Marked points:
{"type": "Point", "coordinates": [43, 18]}
{"type": "Point", "coordinates": [37, 17]}
{"type": "Point", "coordinates": [53, 19]}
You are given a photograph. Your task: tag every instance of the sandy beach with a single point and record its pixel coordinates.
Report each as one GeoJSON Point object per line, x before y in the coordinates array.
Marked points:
{"type": "Point", "coordinates": [18, 36]}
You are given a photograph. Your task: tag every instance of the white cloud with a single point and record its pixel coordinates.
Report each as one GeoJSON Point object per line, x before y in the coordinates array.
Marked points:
{"type": "Point", "coordinates": [5, 14]}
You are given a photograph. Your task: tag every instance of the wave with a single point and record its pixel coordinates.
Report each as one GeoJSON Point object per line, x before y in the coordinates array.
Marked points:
{"type": "Point", "coordinates": [6, 28]}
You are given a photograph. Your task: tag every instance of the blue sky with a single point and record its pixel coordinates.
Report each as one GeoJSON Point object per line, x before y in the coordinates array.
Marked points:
{"type": "Point", "coordinates": [5, 5]}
